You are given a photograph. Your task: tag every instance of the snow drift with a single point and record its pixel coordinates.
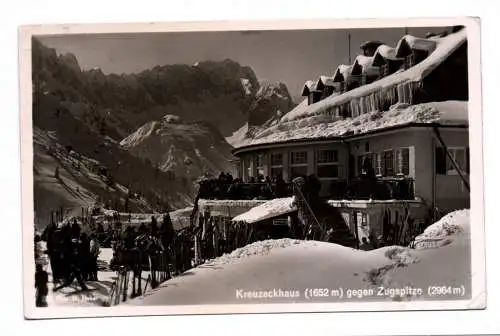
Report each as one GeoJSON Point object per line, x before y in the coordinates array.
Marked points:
{"type": "Point", "coordinates": [297, 265]}
{"type": "Point", "coordinates": [259, 248]}
{"type": "Point", "coordinates": [444, 231]}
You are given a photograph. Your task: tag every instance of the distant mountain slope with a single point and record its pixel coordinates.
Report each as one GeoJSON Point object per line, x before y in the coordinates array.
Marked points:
{"type": "Point", "coordinates": [68, 179]}
{"type": "Point", "coordinates": [185, 149]}
{"type": "Point", "coordinates": [90, 112]}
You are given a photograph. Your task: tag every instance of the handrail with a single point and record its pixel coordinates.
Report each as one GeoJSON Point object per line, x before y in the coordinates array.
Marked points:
{"type": "Point", "coordinates": [308, 207]}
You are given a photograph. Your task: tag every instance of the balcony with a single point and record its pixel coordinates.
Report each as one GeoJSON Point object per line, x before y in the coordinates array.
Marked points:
{"type": "Point", "coordinates": [355, 189]}
{"type": "Point", "coordinates": [379, 189]}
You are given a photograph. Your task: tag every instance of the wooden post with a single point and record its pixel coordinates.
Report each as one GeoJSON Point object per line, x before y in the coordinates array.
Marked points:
{"type": "Point", "coordinates": [125, 286]}
{"type": "Point", "coordinates": [355, 218]}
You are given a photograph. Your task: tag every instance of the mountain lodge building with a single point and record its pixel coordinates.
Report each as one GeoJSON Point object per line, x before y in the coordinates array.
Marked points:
{"type": "Point", "coordinates": [399, 113]}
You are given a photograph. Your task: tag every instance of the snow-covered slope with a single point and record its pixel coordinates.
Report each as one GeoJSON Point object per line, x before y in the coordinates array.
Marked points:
{"type": "Point", "coordinates": [78, 182]}
{"type": "Point", "coordinates": [185, 149]}
{"type": "Point", "coordinates": [291, 265]}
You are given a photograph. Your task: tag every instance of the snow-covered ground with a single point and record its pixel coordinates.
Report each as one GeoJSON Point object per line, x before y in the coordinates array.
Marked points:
{"type": "Point", "coordinates": [279, 266]}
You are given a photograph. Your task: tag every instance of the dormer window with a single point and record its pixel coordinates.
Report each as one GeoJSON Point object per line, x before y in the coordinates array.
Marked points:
{"type": "Point", "coordinates": [409, 61]}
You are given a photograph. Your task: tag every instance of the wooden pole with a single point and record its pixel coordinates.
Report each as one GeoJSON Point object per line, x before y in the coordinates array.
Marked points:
{"type": "Point", "coordinates": [349, 43]}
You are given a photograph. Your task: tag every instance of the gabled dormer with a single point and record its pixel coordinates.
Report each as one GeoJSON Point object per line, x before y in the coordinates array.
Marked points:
{"type": "Point", "coordinates": [385, 58]}
{"type": "Point", "coordinates": [327, 86]}
{"type": "Point", "coordinates": [311, 92]}
{"type": "Point", "coordinates": [341, 75]}
{"type": "Point", "coordinates": [414, 50]}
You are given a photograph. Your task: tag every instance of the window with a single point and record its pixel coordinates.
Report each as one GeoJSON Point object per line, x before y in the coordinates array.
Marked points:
{"type": "Point", "coordinates": [379, 164]}
{"type": "Point", "coordinates": [298, 158]}
{"type": "Point", "coordinates": [276, 159]}
{"type": "Point", "coordinates": [259, 164]}
{"type": "Point", "coordinates": [388, 163]}
{"type": "Point", "coordinates": [403, 161]}
{"type": "Point", "coordinates": [364, 161]}
{"type": "Point", "coordinates": [276, 165]}
{"type": "Point", "coordinates": [327, 163]}
{"type": "Point", "coordinates": [298, 164]}
{"type": "Point", "coordinates": [327, 156]}
{"type": "Point", "coordinates": [409, 61]}
{"type": "Point", "coordinates": [444, 164]}
{"type": "Point", "coordinates": [384, 70]}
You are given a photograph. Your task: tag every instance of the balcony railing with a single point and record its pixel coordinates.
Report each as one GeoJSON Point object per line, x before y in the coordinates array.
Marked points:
{"type": "Point", "coordinates": [379, 189]}
{"type": "Point", "coordinates": [355, 189]}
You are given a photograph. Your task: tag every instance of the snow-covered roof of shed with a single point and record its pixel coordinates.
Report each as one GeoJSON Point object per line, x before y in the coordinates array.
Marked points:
{"type": "Point", "coordinates": [417, 43]}
{"type": "Point", "coordinates": [270, 209]}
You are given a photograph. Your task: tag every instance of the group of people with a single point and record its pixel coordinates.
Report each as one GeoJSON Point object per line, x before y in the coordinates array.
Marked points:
{"type": "Point", "coordinates": [227, 187]}
{"type": "Point", "coordinates": [72, 253]}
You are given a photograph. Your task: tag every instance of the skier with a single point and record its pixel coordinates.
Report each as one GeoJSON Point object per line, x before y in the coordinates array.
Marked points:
{"type": "Point", "coordinates": [41, 280]}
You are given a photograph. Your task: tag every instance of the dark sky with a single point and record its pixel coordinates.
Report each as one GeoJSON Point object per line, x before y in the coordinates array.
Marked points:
{"type": "Point", "coordinates": [289, 56]}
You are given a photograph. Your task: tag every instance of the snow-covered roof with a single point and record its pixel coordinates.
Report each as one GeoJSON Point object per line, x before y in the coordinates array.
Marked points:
{"type": "Point", "coordinates": [309, 86]}
{"type": "Point", "coordinates": [270, 209]}
{"type": "Point", "coordinates": [324, 127]}
{"type": "Point", "coordinates": [385, 52]}
{"type": "Point", "coordinates": [366, 64]}
{"type": "Point", "coordinates": [325, 81]}
{"type": "Point", "coordinates": [342, 70]}
{"type": "Point", "coordinates": [444, 47]}
{"type": "Point", "coordinates": [417, 43]}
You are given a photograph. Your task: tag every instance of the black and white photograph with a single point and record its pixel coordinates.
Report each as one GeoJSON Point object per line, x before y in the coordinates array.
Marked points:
{"type": "Point", "coordinates": [251, 168]}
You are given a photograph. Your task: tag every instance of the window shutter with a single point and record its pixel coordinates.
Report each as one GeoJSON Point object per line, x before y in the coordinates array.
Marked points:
{"type": "Point", "coordinates": [440, 161]}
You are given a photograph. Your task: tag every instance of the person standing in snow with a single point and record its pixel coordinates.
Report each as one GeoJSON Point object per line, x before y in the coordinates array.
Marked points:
{"type": "Point", "coordinates": [95, 250]}
{"type": "Point", "coordinates": [41, 280]}
{"type": "Point", "coordinates": [73, 260]}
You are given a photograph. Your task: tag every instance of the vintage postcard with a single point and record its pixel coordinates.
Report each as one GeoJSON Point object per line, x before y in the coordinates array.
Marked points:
{"type": "Point", "coordinates": [252, 167]}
